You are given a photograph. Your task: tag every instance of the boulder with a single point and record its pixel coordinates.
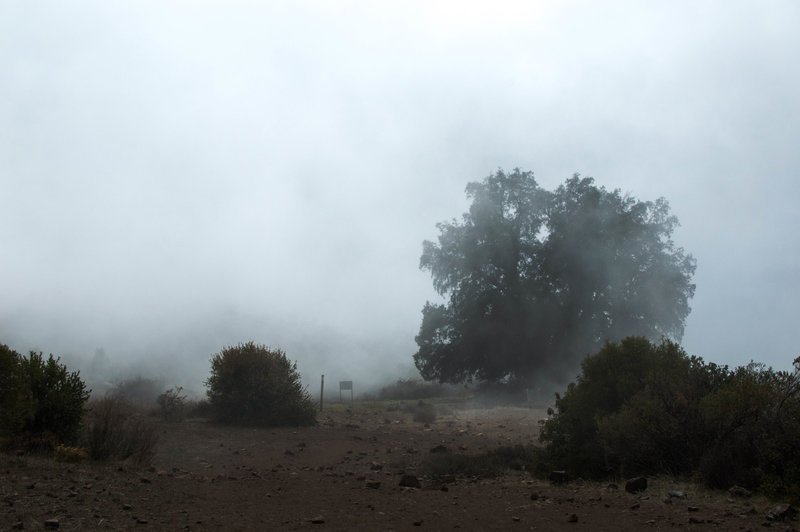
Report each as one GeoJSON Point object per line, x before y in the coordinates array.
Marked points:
{"type": "Point", "coordinates": [636, 484]}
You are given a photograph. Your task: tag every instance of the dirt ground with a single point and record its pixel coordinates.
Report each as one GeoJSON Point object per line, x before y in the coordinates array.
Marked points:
{"type": "Point", "coordinates": [344, 474]}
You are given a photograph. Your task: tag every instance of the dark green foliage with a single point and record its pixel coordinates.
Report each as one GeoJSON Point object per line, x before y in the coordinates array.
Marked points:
{"type": "Point", "coordinates": [253, 385]}
{"type": "Point", "coordinates": [117, 430]}
{"type": "Point", "coordinates": [410, 389]}
{"type": "Point", "coordinates": [41, 400]}
{"type": "Point", "coordinates": [490, 464]}
{"type": "Point", "coordinates": [16, 404]}
{"type": "Point", "coordinates": [172, 404]}
{"type": "Point", "coordinates": [642, 408]}
{"type": "Point", "coordinates": [534, 280]}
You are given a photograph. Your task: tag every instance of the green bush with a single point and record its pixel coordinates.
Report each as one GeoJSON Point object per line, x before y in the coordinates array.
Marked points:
{"type": "Point", "coordinates": [253, 385]}
{"type": "Point", "coordinates": [641, 408]}
{"type": "Point", "coordinates": [41, 401]}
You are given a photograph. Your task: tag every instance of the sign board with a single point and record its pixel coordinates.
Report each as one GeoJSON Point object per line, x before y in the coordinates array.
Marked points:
{"type": "Point", "coordinates": [345, 385]}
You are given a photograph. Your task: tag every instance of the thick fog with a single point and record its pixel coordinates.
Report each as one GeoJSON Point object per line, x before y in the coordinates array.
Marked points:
{"type": "Point", "coordinates": [181, 176]}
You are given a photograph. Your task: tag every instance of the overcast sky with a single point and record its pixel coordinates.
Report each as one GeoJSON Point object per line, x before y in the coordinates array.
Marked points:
{"type": "Point", "coordinates": [178, 176]}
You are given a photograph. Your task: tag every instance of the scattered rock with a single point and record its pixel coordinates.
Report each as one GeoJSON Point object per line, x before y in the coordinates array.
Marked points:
{"type": "Point", "coordinates": [287, 452]}
{"type": "Point", "coordinates": [417, 523]}
{"type": "Point", "coordinates": [51, 524]}
{"type": "Point", "coordinates": [439, 449]}
{"type": "Point", "coordinates": [696, 520]}
{"type": "Point", "coordinates": [573, 518]}
{"type": "Point", "coordinates": [141, 521]}
{"type": "Point", "coordinates": [636, 506]}
{"type": "Point", "coordinates": [375, 466]}
{"type": "Point", "coordinates": [515, 518]}
{"type": "Point", "coordinates": [612, 486]}
{"type": "Point", "coordinates": [558, 477]}
{"type": "Point", "coordinates": [373, 484]}
{"type": "Point", "coordinates": [693, 509]}
{"type": "Point", "coordinates": [19, 525]}
{"type": "Point", "coordinates": [677, 494]}
{"type": "Point", "coordinates": [781, 512]}
{"type": "Point", "coordinates": [126, 506]}
{"type": "Point", "coordinates": [318, 520]}
{"type": "Point", "coordinates": [409, 481]}
{"type": "Point", "coordinates": [636, 484]}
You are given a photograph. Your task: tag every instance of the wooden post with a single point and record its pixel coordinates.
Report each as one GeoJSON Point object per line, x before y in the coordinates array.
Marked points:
{"type": "Point", "coordinates": [321, 391]}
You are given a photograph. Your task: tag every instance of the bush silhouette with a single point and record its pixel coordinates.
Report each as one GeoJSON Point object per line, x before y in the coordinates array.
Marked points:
{"type": "Point", "coordinates": [117, 430]}
{"type": "Point", "coordinates": [251, 384]}
{"type": "Point", "coordinates": [643, 408]}
{"type": "Point", "coordinates": [41, 401]}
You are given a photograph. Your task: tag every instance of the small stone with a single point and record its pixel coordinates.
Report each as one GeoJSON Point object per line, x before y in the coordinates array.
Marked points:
{"type": "Point", "coordinates": [439, 449]}
{"type": "Point", "coordinates": [141, 521]}
{"type": "Point", "coordinates": [636, 506]}
{"type": "Point", "coordinates": [318, 520]}
{"type": "Point", "coordinates": [696, 520]}
{"type": "Point", "coordinates": [693, 509]}
{"type": "Point", "coordinates": [373, 484]}
{"type": "Point", "coordinates": [126, 506]}
{"type": "Point", "coordinates": [636, 484]}
{"type": "Point", "coordinates": [573, 518]}
{"type": "Point", "coordinates": [558, 477]}
{"type": "Point", "coordinates": [417, 523]}
{"type": "Point", "coordinates": [51, 524]}
{"type": "Point", "coordinates": [19, 525]}
{"type": "Point", "coordinates": [677, 494]}
{"type": "Point", "coordinates": [515, 518]}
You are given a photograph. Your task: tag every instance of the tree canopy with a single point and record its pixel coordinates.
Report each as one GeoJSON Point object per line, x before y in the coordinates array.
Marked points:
{"type": "Point", "coordinates": [534, 280]}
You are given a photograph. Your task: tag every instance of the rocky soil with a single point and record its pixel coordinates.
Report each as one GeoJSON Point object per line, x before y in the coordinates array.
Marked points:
{"type": "Point", "coordinates": [346, 474]}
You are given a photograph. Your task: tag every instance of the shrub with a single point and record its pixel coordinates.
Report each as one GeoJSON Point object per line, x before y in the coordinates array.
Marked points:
{"type": "Point", "coordinates": [489, 464]}
{"type": "Point", "coordinates": [640, 408]}
{"type": "Point", "coordinates": [63, 453]}
{"type": "Point", "coordinates": [172, 404]}
{"type": "Point", "coordinates": [116, 430]}
{"type": "Point", "coordinates": [421, 412]}
{"type": "Point", "coordinates": [404, 390]}
{"type": "Point", "coordinates": [41, 400]}
{"type": "Point", "coordinates": [253, 385]}
{"type": "Point", "coordinates": [139, 391]}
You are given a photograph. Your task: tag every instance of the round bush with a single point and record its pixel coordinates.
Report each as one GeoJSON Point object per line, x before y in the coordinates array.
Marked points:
{"type": "Point", "coordinates": [40, 399]}
{"type": "Point", "coordinates": [252, 384]}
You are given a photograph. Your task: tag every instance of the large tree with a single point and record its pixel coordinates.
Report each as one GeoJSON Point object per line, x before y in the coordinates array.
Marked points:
{"type": "Point", "coordinates": [534, 280]}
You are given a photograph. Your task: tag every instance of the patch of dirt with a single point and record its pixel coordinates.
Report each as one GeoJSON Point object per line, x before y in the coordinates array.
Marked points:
{"type": "Point", "coordinates": [344, 474]}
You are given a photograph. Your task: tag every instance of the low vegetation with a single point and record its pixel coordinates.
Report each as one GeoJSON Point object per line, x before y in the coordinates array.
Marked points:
{"type": "Point", "coordinates": [489, 464]}
{"type": "Point", "coordinates": [410, 389]}
{"type": "Point", "coordinates": [643, 408]}
{"type": "Point", "coordinates": [252, 384]}
{"type": "Point", "coordinates": [172, 405]}
{"type": "Point", "coordinates": [41, 402]}
{"type": "Point", "coordinates": [116, 430]}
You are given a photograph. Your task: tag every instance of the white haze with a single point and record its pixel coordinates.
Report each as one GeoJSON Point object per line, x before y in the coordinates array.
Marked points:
{"type": "Point", "coordinates": [181, 176]}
